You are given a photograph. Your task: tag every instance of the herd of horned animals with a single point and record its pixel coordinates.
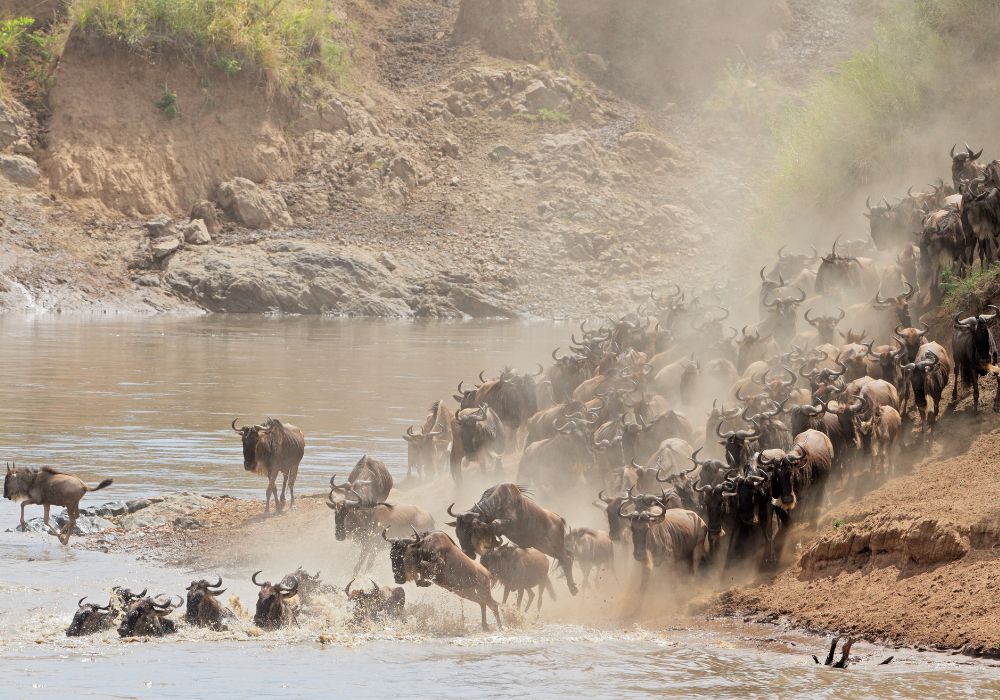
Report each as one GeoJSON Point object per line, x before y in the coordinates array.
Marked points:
{"type": "Point", "coordinates": [797, 414]}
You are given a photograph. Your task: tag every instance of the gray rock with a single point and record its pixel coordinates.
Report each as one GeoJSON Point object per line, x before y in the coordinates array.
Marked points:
{"type": "Point", "coordinates": [16, 123]}
{"type": "Point", "coordinates": [162, 247]}
{"type": "Point", "coordinates": [166, 511]}
{"type": "Point", "coordinates": [160, 226]}
{"type": "Point", "coordinates": [85, 524]}
{"type": "Point", "coordinates": [186, 522]}
{"type": "Point", "coordinates": [252, 206]}
{"type": "Point", "coordinates": [388, 262]}
{"type": "Point", "coordinates": [478, 305]}
{"type": "Point", "coordinates": [593, 65]}
{"type": "Point", "coordinates": [112, 509]}
{"type": "Point", "coordinates": [20, 170]}
{"type": "Point", "coordinates": [140, 503]}
{"type": "Point", "coordinates": [195, 232]}
{"type": "Point", "coordinates": [450, 147]}
{"type": "Point", "coordinates": [502, 152]}
{"type": "Point", "coordinates": [207, 212]}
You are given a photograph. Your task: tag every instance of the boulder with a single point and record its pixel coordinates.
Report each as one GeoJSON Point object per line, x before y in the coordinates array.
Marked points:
{"type": "Point", "coordinates": [166, 511]}
{"type": "Point", "coordinates": [163, 247]}
{"type": "Point", "coordinates": [207, 212]}
{"type": "Point", "coordinates": [16, 123]}
{"type": "Point", "coordinates": [473, 303]}
{"type": "Point", "coordinates": [20, 170]}
{"type": "Point", "coordinates": [388, 262]}
{"type": "Point", "coordinates": [646, 147]}
{"type": "Point", "coordinates": [195, 232]}
{"type": "Point", "coordinates": [252, 206]}
{"type": "Point", "coordinates": [160, 226]}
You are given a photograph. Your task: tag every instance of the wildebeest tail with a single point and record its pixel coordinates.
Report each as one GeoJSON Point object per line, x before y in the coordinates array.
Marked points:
{"type": "Point", "coordinates": [103, 485]}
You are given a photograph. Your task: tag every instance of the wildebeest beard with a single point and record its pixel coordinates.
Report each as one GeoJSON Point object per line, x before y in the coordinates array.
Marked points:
{"type": "Point", "coordinates": [397, 551]}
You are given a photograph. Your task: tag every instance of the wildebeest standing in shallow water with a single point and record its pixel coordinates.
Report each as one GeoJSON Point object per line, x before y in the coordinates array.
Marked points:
{"type": "Point", "coordinates": [270, 449]}
{"type": "Point", "coordinates": [48, 487]}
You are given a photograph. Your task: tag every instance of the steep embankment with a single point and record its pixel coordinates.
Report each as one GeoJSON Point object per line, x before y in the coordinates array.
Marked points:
{"type": "Point", "coordinates": [912, 562]}
{"type": "Point", "coordinates": [436, 180]}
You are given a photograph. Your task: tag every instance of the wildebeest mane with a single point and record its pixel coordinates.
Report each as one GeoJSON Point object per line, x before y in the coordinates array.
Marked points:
{"type": "Point", "coordinates": [490, 499]}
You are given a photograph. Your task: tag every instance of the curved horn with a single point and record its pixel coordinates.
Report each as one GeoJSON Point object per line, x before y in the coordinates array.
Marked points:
{"type": "Point", "coordinates": [238, 430]}
{"type": "Point", "coordinates": [347, 589]}
{"type": "Point", "coordinates": [254, 579]}
{"type": "Point", "coordinates": [80, 602]}
{"type": "Point", "coordinates": [989, 317]}
{"type": "Point", "coordinates": [449, 511]}
{"type": "Point", "coordinates": [952, 151]}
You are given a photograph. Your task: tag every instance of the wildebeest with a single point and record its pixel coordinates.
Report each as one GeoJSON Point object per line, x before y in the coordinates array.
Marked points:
{"type": "Point", "coordinates": [47, 487]}
{"type": "Point", "coordinates": [203, 606]}
{"type": "Point", "coordinates": [661, 534]}
{"type": "Point", "coordinates": [801, 474]}
{"type": "Point", "coordinates": [90, 618]}
{"type": "Point", "coordinates": [427, 451]}
{"type": "Point", "coordinates": [928, 377]}
{"type": "Point", "coordinates": [270, 449]}
{"type": "Point", "coordinates": [377, 604]}
{"type": "Point", "coordinates": [434, 558]}
{"type": "Point", "coordinates": [981, 221]}
{"type": "Point", "coordinates": [147, 617]}
{"type": "Point", "coordinates": [879, 432]}
{"type": "Point", "coordinates": [505, 510]}
{"type": "Point", "coordinates": [557, 462]}
{"type": "Point", "coordinates": [964, 166]}
{"type": "Point", "coordinates": [309, 584]}
{"type": "Point", "coordinates": [975, 355]}
{"type": "Point", "coordinates": [519, 569]}
{"type": "Point", "coordinates": [592, 550]}
{"type": "Point", "coordinates": [273, 609]}
{"type": "Point", "coordinates": [477, 436]}
{"type": "Point", "coordinates": [370, 478]}
{"type": "Point", "coordinates": [362, 520]}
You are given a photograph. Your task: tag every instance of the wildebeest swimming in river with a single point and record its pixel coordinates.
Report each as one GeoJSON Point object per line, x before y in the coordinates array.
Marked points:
{"type": "Point", "coordinates": [270, 449]}
{"type": "Point", "coordinates": [48, 487]}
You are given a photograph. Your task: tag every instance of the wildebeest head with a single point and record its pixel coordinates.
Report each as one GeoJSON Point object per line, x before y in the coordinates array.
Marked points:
{"type": "Point", "coordinates": [348, 512]}
{"type": "Point", "coordinates": [617, 524]}
{"type": "Point", "coordinates": [250, 434]}
{"type": "Point", "coordinates": [963, 164]}
{"type": "Point", "coordinates": [476, 535]}
{"type": "Point", "coordinates": [715, 503]}
{"type": "Point", "coordinates": [782, 473]}
{"type": "Point", "coordinates": [466, 397]}
{"type": "Point", "coordinates": [308, 583]}
{"type": "Point", "coordinates": [745, 492]}
{"type": "Point", "coordinates": [398, 547]}
{"type": "Point", "coordinates": [911, 338]}
{"type": "Point", "coordinates": [122, 597]}
{"type": "Point", "coordinates": [645, 511]}
{"type": "Point", "coordinates": [825, 325]}
{"type": "Point", "coordinates": [18, 481]}
{"type": "Point", "coordinates": [148, 617]}
{"type": "Point", "coordinates": [791, 264]}
{"type": "Point", "coordinates": [89, 619]}
{"type": "Point", "coordinates": [420, 448]}
{"type": "Point", "coordinates": [899, 304]}
{"type": "Point", "coordinates": [978, 326]}
{"type": "Point", "coordinates": [202, 606]}
{"type": "Point", "coordinates": [272, 602]}
{"type": "Point", "coordinates": [735, 442]}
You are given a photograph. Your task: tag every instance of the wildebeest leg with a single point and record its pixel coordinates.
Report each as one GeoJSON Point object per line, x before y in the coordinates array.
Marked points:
{"type": "Point", "coordinates": [67, 530]}
{"type": "Point", "coordinates": [996, 397]}
{"type": "Point", "coordinates": [585, 568]}
{"type": "Point", "coordinates": [506, 593]}
{"type": "Point", "coordinates": [272, 487]}
{"type": "Point", "coordinates": [975, 393]}
{"type": "Point", "coordinates": [45, 517]}
{"type": "Point", "coordinates": [954, 385]}
{"type": "Point", "coordinates": [566, 562]}
{"type": "Point", "coordinates": [531, 598]}
{"type": "Point", "coordinates": [284, 483]}
{"type": "Point", "coordinates": [520, 597]}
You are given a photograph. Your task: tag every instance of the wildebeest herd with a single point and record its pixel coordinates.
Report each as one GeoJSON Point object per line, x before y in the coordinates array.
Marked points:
{"type": "Point", "coordinates": [704, 444]}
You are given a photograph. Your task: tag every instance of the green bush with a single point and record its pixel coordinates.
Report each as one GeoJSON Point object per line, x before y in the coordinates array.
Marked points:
{"type": "Point", "coordinates": [12, 31]}
{"type": "Point", "coordinates": [851, 128]}
{"type": "Point", "coordinates": [289, 41]}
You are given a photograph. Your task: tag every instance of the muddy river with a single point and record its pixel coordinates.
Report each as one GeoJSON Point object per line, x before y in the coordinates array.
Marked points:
{"type": "Point", "coordinates": [148, 402]}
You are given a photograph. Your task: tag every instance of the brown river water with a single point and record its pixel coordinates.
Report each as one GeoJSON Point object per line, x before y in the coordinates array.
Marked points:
{"type": "Point", "coordinates": [148, 402]}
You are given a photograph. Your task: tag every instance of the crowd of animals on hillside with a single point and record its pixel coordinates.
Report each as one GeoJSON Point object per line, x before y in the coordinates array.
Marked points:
{"type": "Point", "coordinates": [704, 444]}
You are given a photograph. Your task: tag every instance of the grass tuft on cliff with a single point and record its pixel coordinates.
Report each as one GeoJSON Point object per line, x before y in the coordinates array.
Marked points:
{"type": "Point", "coordinates": [857, 124]}
{"type": "Point", "coordinates": [290, 42]}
